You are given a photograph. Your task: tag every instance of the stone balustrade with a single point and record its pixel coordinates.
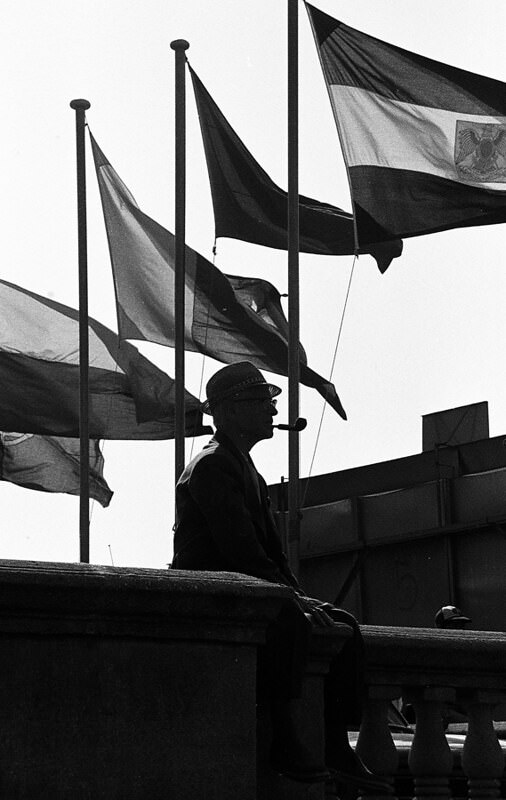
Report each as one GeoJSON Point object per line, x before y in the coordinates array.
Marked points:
{"type": "Point", "coordinates": [125, 683]}
{"type": "Point", "coordinates": [433, 670]}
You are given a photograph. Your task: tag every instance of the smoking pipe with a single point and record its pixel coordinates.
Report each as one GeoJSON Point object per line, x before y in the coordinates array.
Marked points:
{"type": "Point", "coordinates": [300, 424]}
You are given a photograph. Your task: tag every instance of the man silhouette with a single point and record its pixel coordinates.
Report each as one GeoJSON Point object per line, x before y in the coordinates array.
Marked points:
{"type": "Point", "coordinates": [224, 522]}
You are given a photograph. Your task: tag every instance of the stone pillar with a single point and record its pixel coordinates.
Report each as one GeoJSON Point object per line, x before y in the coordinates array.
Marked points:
{"type": "Point", "coordinates": [131, 684]}
{"type": "Point", "coordinates": [430, 759]}
{"type": "Point", "coordinates": [308, 717]}
{"type": "Point", "coordinates": [482, 759]}
{"type": "Point", "coordinates": [375, 744]}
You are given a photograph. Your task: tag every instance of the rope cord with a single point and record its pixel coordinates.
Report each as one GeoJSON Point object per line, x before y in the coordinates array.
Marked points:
{"type": "Point", "coordinates": [324, 406]}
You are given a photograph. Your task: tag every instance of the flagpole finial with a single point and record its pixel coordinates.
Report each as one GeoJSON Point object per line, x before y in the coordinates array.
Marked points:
{"type": "Point", "coordinates": [180, 44]}
{"type": "Point", "coordinates": [77, 104]}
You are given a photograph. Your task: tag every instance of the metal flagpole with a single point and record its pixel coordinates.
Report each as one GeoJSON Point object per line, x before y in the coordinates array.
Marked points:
{"type": "Point", "coordinates": [179, 46]}
{"type": "Point", "coordinates": [80, 107]}
{"type": "Point", "coordinates": [293, 285]}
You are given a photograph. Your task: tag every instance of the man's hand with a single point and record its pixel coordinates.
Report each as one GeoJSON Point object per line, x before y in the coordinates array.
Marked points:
{"type": "Point", "coordinates": [315, 608]}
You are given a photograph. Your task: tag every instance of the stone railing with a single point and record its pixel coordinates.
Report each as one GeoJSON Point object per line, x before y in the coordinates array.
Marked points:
{"type": "Point", "coordinates": [430, 670]}
{"type": "Point", "coordinates": [433, 670]}
{"type": "Point", "coordinates": [124, 683]}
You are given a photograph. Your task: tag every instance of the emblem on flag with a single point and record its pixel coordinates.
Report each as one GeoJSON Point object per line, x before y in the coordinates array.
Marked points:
{"type": "Point", "coordinates": [480, 151]}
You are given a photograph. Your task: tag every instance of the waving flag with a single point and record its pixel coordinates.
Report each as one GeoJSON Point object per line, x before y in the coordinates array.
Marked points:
{"type": "Point", "coordinates": [130, 398]}
{"type": "Point", "coordinates": [425, 143]}
{"type": "Point", "coordinates": [249, 206]}
{"type": "Point", "coordinates": [51, 464]}
{"type": "Point", "coordinates": [227, 318]}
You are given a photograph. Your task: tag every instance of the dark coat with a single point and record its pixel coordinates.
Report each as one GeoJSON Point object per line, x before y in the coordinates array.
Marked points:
{"type": "Point", "coordinates": [224, 523]}
{"type": "Point", "coordinates": [223, 520]}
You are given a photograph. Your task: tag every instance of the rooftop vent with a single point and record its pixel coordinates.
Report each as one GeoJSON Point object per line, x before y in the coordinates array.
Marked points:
{"type": "Point", "coordinates": [455, 426]}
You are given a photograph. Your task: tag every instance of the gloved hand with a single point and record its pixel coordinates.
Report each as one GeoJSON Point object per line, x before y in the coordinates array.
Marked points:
{"type": "Point", "coordinates": [316, 609]}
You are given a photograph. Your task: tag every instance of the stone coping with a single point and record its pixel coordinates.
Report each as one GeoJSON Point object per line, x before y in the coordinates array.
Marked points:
{"type": "Point", "coordinates": [56, 598]}
{"type": "Point", "coordinates": [117, 600]}
{"type": "Point", "coordinates": [428, 656]}
{"type": "Point", "coordinates": [61, 573]}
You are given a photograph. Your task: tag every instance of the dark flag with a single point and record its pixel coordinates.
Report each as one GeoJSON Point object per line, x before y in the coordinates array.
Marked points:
{"type": "Point", "coordinates": [425, 143]}
{"type": "Point", "coordinates": [249, 206]}
{"type": "Point", "coordinates": [130, 398]}
{"type": "Point", "coordinates": [51, 464]}
{"type": "Point", "coordinates": [226, 318]}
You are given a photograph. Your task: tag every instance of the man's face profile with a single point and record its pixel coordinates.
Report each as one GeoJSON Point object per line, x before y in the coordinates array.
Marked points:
{"type": "Point", "coordinates": [254, 410]}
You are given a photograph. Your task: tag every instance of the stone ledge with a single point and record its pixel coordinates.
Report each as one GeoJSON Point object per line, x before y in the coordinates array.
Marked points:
{"type": "Point", "coordinates": [82, 599]}
{"type": "Point", "coordinates": [427, 656]}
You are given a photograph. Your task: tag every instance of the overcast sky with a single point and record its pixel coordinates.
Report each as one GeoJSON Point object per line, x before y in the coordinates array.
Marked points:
{"type": "Point", "coordinates": [428, 335]}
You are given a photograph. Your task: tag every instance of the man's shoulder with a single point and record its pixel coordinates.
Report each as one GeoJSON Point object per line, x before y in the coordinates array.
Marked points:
{"type": "Point", "coordinates": [217, 446]}
{"type": "Point", "coordinates": [215, 452]}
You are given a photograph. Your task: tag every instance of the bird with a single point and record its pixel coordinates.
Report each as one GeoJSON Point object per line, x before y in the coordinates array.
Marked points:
{"type": "Point", "coordinates": [485, 149]}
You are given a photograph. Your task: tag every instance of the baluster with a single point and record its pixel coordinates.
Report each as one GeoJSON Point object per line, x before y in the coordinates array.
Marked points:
{"type": "Point", "coordinates": [375, 744]}
{"type": "Point", "coordinates": [482, 758]}
{"type": "Point", "coordinates": [430, 759]}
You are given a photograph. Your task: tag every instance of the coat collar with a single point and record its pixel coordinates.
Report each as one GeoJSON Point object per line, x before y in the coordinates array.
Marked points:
{"type": "Point", "coordinates": [225, 441]}
{"type": "Point", "coordinates": [251, 490]}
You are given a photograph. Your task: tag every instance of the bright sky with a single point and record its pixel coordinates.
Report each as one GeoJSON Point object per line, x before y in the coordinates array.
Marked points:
{"type": "Point", "coordinates": [428, 335]}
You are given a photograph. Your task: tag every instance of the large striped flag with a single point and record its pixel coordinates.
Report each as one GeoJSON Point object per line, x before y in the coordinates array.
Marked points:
{"type": "Point", "coordinates": [130, 398]}
{"type": "Point", "coordinates": [425, 143]}
{"type": "Point", "coordinates": [226, 317]}
{"type": "Point", "coordinates": [248, 205]}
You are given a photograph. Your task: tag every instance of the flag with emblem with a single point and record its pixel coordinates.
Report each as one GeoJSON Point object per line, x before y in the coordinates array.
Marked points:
{"type": "Point", "coordinates": [248, 205]}
{"type": "Point", "coordinates": [424, 142]}
{"type": "Point", "coordinates": [51, 464]}
{"type": "Point", "coordinates": [227, 318]}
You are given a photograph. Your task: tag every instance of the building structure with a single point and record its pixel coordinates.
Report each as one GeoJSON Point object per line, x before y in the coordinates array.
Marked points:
{"type": "Point", "coordinates": [394, 541]}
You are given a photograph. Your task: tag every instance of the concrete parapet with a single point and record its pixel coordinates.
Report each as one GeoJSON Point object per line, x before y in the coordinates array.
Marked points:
{"type": "Point", "coordinates": [129, 683]}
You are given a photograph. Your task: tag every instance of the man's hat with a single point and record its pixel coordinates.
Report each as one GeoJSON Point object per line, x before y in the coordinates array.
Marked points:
{"type": "Point", "coordinates": [449, 614]}
{"type": "Point", "coordinates": [235, 379]}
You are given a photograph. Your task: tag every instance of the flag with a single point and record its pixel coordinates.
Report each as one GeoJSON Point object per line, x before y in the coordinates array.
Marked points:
{"type": "Point", "coordinates": [249, 206]}
{"type": "Point", "coordinates": [425, 143]}
{"type": "Point", "coordinates": [130, 398]}
{"type": "Point", "coordinates": [51, 464]}
{"type": "Point", "coordinates": [226, 318]}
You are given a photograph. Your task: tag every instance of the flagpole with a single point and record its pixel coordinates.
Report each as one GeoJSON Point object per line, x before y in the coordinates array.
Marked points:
{"type": "Point", "coordinates": [293, 285]}
{"type": "Point", "coordinates": [80, 107]}
{"type": "Point", "coordinates": [179, 46]}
